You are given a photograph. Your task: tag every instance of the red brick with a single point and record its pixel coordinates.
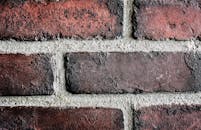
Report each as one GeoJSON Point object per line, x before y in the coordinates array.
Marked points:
{"type": "Point", "coordinates": [134, 72]}
{"type": "Point", "coordinates": [39, 118]}
{"type": "Point", "coordinates": [86, 19]}
{"type": "Point", "coordinates": [25, 75]}
{"type": "Point", "coordinates": [167, 19]}
{"type": "Point", "coordinates": [168, 118]}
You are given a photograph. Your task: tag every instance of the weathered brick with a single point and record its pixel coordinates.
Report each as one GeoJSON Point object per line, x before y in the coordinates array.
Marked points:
{"type": "Point", "coordinates": [168, 118]}
{"type": "Point", "coordinates": [133, 72]}
{"type": "Point", "coordinates": [25, 75]}
{"type": "Point", "coordinates": [45, 19]}
{"type": "Point", "coordinates": [167, 19]}
{"type": "Point", "coordinates": [38, 118]}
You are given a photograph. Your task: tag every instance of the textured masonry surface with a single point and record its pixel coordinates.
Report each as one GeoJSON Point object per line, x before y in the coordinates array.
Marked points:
{"type": "Point", "coordinates": [38, 118]}
{"type": "Point", "coordinates": [107, 64]}
{"type": "Point", "coordinates": [25, 75]}
{"type": "Point", "coordinates": [44, 20]}
{"type": "Point", "coordinates": [168, 118]}
{"type": "Point", "coordinates": [134, 72]}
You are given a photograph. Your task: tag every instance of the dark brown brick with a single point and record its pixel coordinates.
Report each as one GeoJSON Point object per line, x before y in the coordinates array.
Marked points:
{"type": "Point", "coordinates": [134, 72]}
{"type": "Point", "coordinates": [167, 19]}
{"type": "Point", "coordinates": [25, 75]}
{"type": "Point", "coordinates": [168, 118]}
{"type": "Point", "coordinates": [38, 118]}
{"type": "Point", "coordinates": [44, 20]}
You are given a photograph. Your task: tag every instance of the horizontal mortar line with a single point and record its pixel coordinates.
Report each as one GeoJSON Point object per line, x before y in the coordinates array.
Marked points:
{"type": "Point", "coordinates": [119, 45]}
{"type": "Point", "coordinates": [103, 100]}
{"type": "Point", "coordinates": [67, 94]}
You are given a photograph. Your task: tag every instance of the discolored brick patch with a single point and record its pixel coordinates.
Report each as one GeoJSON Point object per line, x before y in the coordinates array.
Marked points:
{"type": "Point", "coordinates": [168, 118]}
{"type": "Point", "coordinates": [35, 118]}
{"type": "Point", "coordinates": [133, 72]}
{"type": "Point", "coordinates": [167, 19]}
{"type": "Point", "coordinates": [45, 20]}
{"type": "Point", "coordinates": [25, 74]}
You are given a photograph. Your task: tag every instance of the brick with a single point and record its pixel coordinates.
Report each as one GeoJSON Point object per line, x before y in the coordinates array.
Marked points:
{"type": "Point", "coordinates": [25, 74]}
{"type": "Point", "coordinates": [39, 118]}
{"type": "Point", "coordinates": [168, 118]}
{"type": "Point", "coordinates": [167, 19]}
{"type": "Point", "coordinates": [133, 72]}
{"type": "Point", "coordinates": [45, 19]}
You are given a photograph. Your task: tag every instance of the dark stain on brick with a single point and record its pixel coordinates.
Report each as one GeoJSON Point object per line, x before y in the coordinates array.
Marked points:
{"type": "Point", "coordinates": [116, 8]}
{"type": "Point", "coordinates": [71, 76]}
{"type": "Point", "coordinates": [100, 58]}
{"type": "Point", "coordinates": [66, 13]}
{"type": "Point", "coordinates": [12, 3]}
{"type": "Point", "coordinates": [91, 14]}
{"type": "Point", "coordinates": [136, 5]}
{"type": "Point", "coordinates": [193, 61]}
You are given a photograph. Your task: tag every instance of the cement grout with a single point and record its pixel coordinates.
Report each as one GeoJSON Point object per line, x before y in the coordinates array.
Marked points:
{"type": "Point", "coordinates": [125, 102]}
{"type": "Point", "coordinates": [118, 45]}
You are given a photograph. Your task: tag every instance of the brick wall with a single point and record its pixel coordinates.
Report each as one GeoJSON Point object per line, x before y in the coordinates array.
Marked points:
{"type": "Point", "coordinates": [100, 64]}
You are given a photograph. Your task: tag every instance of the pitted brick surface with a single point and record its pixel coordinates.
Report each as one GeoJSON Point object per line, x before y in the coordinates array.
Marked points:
{"type": "Point", "coordinates": [45, 20]}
